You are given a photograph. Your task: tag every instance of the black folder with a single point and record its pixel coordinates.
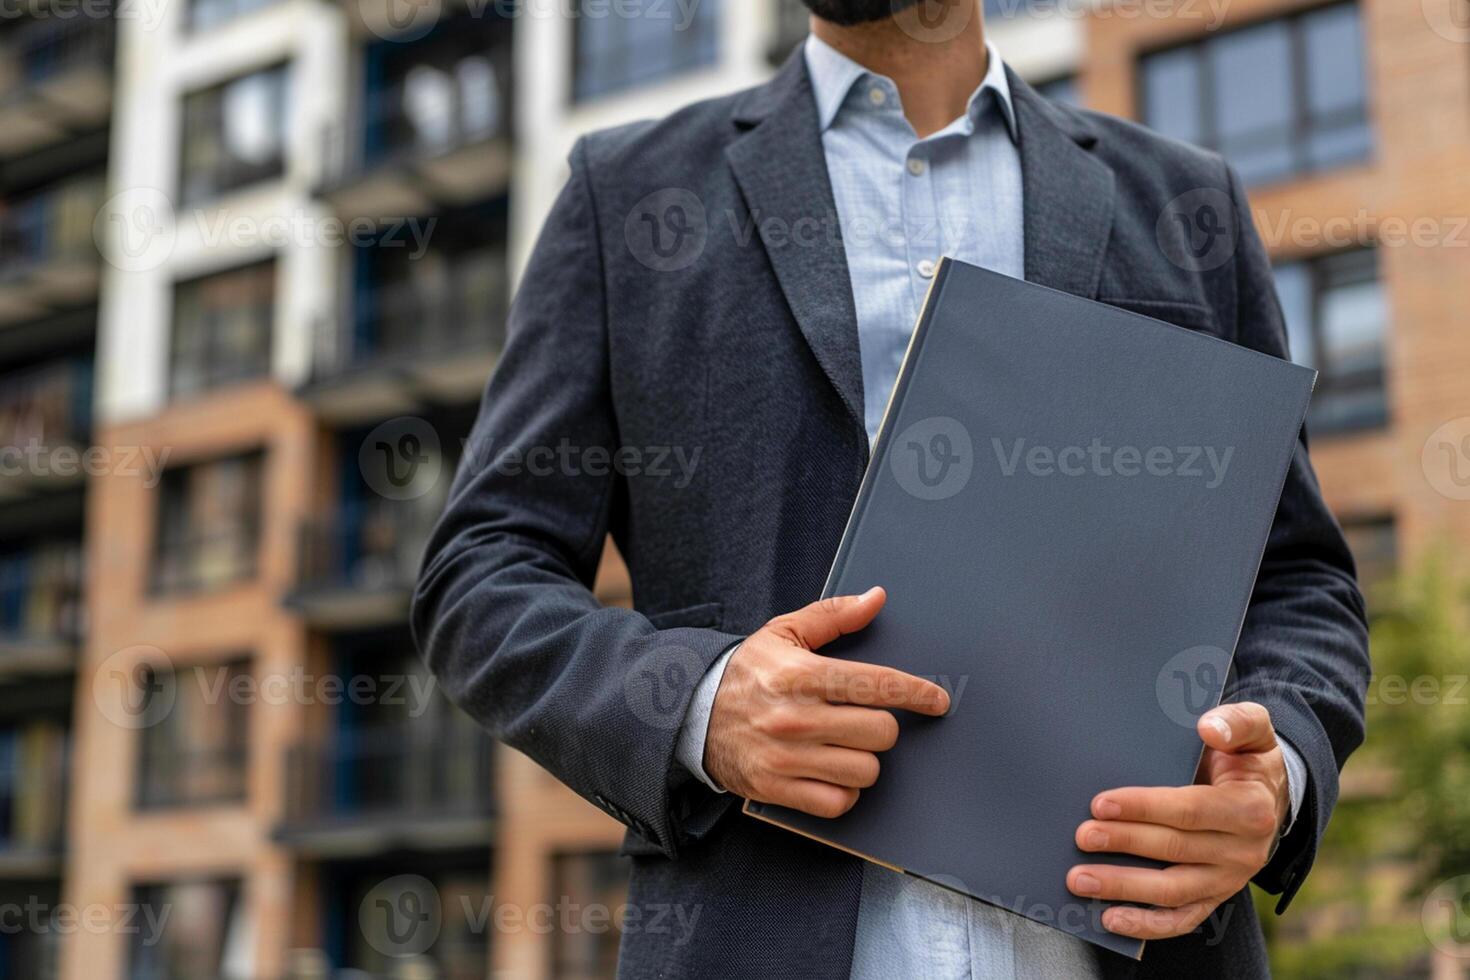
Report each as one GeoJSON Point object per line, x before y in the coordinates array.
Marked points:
{"type": "Point", "coordinates": [1067, 504]}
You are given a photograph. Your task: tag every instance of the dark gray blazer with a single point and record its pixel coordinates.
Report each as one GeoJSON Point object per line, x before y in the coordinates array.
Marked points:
{"type": "Point", "coordinates": [742, 348]}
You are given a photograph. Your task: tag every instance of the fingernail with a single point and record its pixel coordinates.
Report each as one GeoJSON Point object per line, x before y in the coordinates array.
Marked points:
{"type": "Point", "coordinates": [1086, 884]}
{"type": "Point", "coordinates": [1097, 840]}
{"type": "Point", "coordinates": [1106, 809]}
{"type": "Point", "coordinates": [1222, 726]}
{"type": "Point", "coordinates": [942, 702]}
{"type": "Point", "coordinates": [870, 593]}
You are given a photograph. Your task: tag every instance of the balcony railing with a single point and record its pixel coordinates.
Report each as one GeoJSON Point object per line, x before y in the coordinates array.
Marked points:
{"type": "Point", "coordinates": [41, 607]}
{"type": "Point", "coordinates": [409, 771]}
{"type": "Point", "coordinates": [461, 311]}
{"type": "Point", "coordinates": [430, 112]}
{"type": "Point", "coordinates": [50, 47]}
{"type": "Point", "coordinates": [33, 778]}
{"type": "Point", "coordinates": [52, 227]}
{"type": "Point", "coordinates": [47, 407]}
{"type": "Point", "coordinates": [373, 548]}
{"type": "Point", "coordinates": [191, 775]}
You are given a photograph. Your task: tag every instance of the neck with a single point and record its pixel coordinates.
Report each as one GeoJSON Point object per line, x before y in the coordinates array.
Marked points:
{"type": "Point", "coordinates": [935, 75]}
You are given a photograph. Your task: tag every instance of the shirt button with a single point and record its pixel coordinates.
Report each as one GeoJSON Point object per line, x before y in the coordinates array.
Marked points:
{"type": "Point", "coordinates": [926, 268]}
{"type": "Point", "coordinates": [916, 167]}
{"type": "Point", "coordinates": [877, 96]}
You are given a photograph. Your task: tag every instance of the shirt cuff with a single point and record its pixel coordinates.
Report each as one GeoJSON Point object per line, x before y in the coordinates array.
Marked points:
{"type": "Point", "coordinates": [690, 750]}
{"type": "Point", "coordinates": [1296, 780]}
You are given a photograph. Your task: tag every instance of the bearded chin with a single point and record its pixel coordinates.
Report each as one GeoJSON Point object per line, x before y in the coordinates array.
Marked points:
{"type": "Point", "coordinates": [848, 12]}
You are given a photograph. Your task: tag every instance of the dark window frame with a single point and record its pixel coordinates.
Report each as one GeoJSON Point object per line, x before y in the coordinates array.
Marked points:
{"type": "Point", "coordinates": [149, 795]}
{"type": "Point", "coordinates": [254, 526]}
{"type": "Point", "coordinates": [232, 184]}
{"type": "Point", "coordinates": [625, 85]}
{"type": "Point", "coordinates": [154, 891]}
{"type": "Point", "coordinates": [1302, 118]}
{"type": "Point", "coordinates": [217, 379]}
{"type": "Point", "coordinates": [1324, 273]}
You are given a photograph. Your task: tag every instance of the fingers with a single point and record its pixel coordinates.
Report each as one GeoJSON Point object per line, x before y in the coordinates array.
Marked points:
{"type": "Point", "coordinates": [829, 764]}
{"type": "Point", "coordinates": [1172, 887]}
{"type": "Point", "coordinates": [1243, 727]}
{"type": "Point", "coordinates": [1244, 807]}
{"type": "Point", "coordinates": [1157, 923]}
{"type": "Point", "coordinates": [1153, 841]}
{"type": "Point", "coordinates": [868, 729]}
{"type": "Point", "coordinates": [848, 682]}
{"type": "Point", "coordinates": [825, 620]}
{"type": "Point", "coordinates": [812, 796]}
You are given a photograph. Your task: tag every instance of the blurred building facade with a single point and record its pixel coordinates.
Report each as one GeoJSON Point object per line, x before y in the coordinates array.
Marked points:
{"type": "Point", "coordinates": [313, 214]}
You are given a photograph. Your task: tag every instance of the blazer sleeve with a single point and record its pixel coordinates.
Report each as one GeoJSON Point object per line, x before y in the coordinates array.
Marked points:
{"type": "Point", "coordinates": [1303, 651]}
{"type": "Point", "coordinates": [503, 612]}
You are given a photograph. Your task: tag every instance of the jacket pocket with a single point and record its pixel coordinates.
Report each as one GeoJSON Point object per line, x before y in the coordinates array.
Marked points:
{"type": "Point", "coordinates": [706, 615]}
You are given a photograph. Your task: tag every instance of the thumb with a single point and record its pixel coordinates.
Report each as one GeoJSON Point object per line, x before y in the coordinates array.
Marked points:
{"type": "Point", "coordinates": [1236, 728]}
{"type": "Point", "coordinates": [823, 621]}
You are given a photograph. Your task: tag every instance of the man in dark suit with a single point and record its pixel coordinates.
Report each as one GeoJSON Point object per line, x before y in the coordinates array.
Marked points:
{"type": "Point", "coordinates": [697, 360]}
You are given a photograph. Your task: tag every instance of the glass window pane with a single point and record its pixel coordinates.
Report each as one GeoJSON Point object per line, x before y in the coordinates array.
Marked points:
{"type": "Point", "coordinates": [1294, 287]}
{"type": "Point", "coordinates": [1353, 319]}
{"type": "Point", "coordinates": [1333, 42]}
{"type": "Point", "coordinates": [635, 42]}
{"type": "Point", "coordinates": [1251, 85]}
{"type": "Point", "coordinates": [1171, 94]}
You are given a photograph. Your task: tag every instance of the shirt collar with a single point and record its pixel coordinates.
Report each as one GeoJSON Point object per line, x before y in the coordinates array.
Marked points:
{"type": "Point", "coordinates": [834, 74]}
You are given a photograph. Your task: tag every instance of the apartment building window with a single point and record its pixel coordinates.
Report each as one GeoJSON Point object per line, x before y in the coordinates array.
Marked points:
{"type": "Point", "coordinates": [587, 880]}
{"type": "Point", "coordinates": [204, 932]}
{"type": "Point", "coordinates": [234, 134]}
{"type": "Point", "coordinates": [623, 45]}
{"type": "Point", "coordinates": [204, 14]}
{"type": "Point", "coordinates": [1061, 89]}
{"type": "Point", "coordinates": [1337, 321]}
{"type": "Point", "coordinates": [1374, 543]}
{"type": "Point", "coordinates": [1278, 99]}
{"type": "Point", "coordinates": [195, 753]}
{"type": "Point", "coordinates": [208, 524]}
{"type": "Point", "coordinates": [33, 772]}
{"type": "Point", "coordinates": [222, 328]}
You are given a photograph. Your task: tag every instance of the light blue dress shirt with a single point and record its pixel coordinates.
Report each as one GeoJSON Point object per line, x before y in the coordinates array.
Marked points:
{"type": "Point", "coordinates": [902, 202]}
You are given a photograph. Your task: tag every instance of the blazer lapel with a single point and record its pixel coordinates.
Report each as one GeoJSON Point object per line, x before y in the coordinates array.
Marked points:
{"type": "Point", "coordinates": [781, 168]}
{"type": "Point", "coordinates": [1068, 194]}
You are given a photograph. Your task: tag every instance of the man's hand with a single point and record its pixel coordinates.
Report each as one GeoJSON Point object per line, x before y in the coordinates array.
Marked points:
{"type": "Point", "coordinates": [1216, 836]}
{"type": "Point", "coordinates": [801, 730]}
